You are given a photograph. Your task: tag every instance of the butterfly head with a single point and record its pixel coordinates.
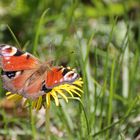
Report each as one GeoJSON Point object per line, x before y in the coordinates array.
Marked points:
{"type": "Point", "coordinates": [7, 50]}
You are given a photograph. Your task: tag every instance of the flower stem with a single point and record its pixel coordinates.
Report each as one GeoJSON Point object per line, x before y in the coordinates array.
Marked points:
{"type": "Point", "coordinates": [32, 124]}
{"type": "Point", "coordinates": [47, 123]}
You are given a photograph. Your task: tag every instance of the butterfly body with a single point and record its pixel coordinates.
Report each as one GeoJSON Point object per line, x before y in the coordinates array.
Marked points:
{"type": "Point", "coordinates": [25, 74]}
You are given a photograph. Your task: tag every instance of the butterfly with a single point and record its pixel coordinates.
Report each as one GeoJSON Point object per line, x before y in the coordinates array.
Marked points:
{"type": "Point", "coordinates": [26, 75]}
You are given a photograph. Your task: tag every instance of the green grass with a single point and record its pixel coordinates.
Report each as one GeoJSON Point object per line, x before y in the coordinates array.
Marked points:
{"type": "Point", "coordinates": [101, 40]}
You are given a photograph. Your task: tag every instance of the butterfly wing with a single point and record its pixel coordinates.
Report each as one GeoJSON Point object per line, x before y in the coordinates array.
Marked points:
{"type": "Point", "coordinates": [14, 81]}
{"type": "Point", "coordinates": [25, 83]}
{"type": "Point", "coordinates": [18, 68]}
{"type": "Point", "coordinates": [12, 59]}
{"type": "Point", "coordinates": [60, 75]}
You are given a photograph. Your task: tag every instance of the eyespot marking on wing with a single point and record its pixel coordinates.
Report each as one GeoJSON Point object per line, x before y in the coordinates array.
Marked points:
{"type": "Point", "coordinates": [7, 50]}
{"type": "Point", "coordinates": [70, 76]}
{"type": "Point", "coordinates": [18, 53]}
{"type": "Point", "coordinates": [65, 71]}
{"type": "Point", "coordinates": [11, 74]}
{"type": "Point", "coordinates": [28, 56]}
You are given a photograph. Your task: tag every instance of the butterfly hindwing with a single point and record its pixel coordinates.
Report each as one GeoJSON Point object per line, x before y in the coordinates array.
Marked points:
{"type": "Point", "coordinates": [14, 81]}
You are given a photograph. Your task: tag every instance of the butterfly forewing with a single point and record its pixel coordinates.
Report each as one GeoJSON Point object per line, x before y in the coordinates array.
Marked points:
{"type": "Point", "coordinates": [13, 59]}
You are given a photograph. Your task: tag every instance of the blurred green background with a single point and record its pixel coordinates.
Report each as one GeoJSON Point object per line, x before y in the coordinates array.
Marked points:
{"type": "Point", "coordinates": [101, 39]}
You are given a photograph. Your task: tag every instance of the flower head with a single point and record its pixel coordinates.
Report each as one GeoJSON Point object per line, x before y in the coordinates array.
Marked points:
{"type": "Point", "coordinates": [62, 91]}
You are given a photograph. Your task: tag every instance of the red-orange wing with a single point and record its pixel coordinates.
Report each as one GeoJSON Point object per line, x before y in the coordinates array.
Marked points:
{"type": "Point", "coordinates": [15, 63]}
{"type": "Point", "coordinates": [60, 75]}
{"type": "Point", "coordinates": [18, 69]}
{"type": "Point", "coordinates": [25, 83]}
{"type": "Point", "coordinates": [12, 59]}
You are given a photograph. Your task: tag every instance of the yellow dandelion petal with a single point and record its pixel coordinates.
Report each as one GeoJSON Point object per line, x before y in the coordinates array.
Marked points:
{"type": "Point", "coordinates": [53, 93]}
{"type": "Point", "coordinates": [68, 91]}
{"type": "Point", "coordinates": [8, 93]}
{"type": "Point", "coordinates": [39, 103]}
{"type": "Point", "coordinates": [34, 103]}
{"type": "Point", "coordinates": [66, 86]}
{"type": "Point", "coordinates": [60, 87]}
{"type": "Point", "coordinates": [75, 92]}
{"type": "Point", "coordinates": [78, 82]}
{"type": "Point", "coordinates": [76, 88]}
{"type": "Point", "coordinates": [11, 97]}
{"type": "Point", "coordinates": [48, 100]}
{"type": "Point", "coordinates": [14, 97]}
{"type": "Point", "coordinates": [62, 94]}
